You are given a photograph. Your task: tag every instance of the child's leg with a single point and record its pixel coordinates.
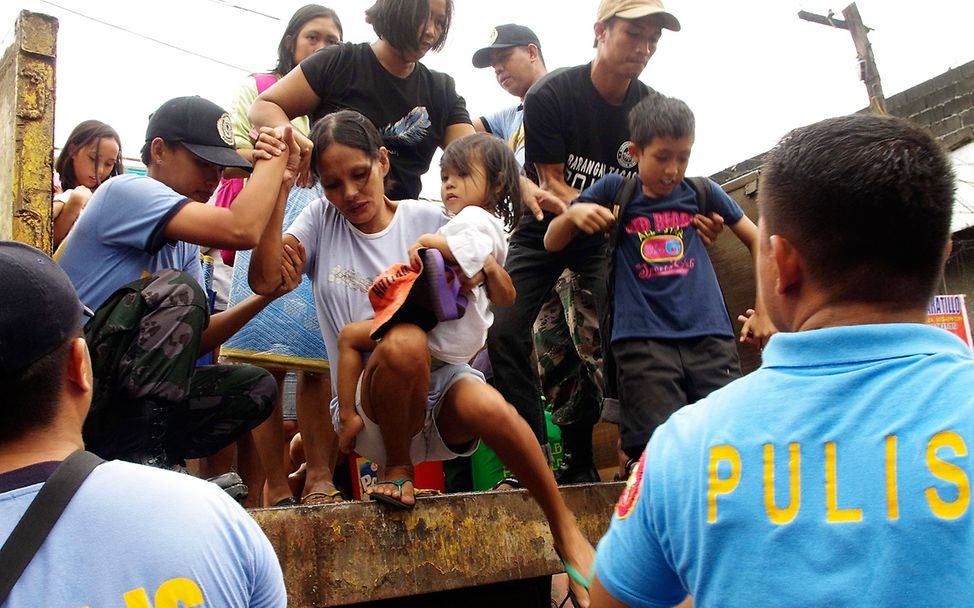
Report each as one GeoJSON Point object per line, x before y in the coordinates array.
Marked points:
{"type": "Point", "coordinates": [473, 409]}
{"type": "Point", "coordinates": [651, 387]}
{"type": "Point", "coordinates": [711, 362]}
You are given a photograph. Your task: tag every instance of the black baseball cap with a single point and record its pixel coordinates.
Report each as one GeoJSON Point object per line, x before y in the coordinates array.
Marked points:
{"type": "Point", "coordinates": [39, 308]}
{"type": "Point", "coordinates": [504, 37]}
{"type": "Point", "coordinates": [199, 124]}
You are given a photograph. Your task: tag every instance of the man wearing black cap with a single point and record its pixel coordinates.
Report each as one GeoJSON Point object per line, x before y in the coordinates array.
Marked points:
{"type": "Point", "coordinates": [129, 533]}
{"type": "Point", "coordinates": [515, 54]}
{"type": "Point", "coordinates": [151, 403]}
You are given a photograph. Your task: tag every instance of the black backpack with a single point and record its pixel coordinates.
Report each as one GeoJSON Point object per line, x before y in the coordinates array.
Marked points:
{"type": "Point", "coordinates": [701, 187]}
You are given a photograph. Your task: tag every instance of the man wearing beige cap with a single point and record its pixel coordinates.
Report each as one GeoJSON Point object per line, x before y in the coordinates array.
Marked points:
{"type": "Point", "coordinates": [575, 131]}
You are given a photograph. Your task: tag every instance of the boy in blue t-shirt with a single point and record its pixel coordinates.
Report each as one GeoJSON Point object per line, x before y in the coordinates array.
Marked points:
{"type": "Point", "coordinates": [671, 337]}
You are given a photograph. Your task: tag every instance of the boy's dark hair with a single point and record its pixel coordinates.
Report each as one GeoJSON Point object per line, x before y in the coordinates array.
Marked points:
{"type": "Point", "coordinates": [30, 395]}
{"type": "Point", "coordinates": [285, 48]}
{"type": "Point", "coordinates": [867, 201]}
{"type": "Point", "coordinates": [660, 116]}
{"type": "Point", "coordinates": [502, 172]}
{"type": "Point", "coordinates": [399, 21]}
{"type": "Point", "coordinates": [348, 128]}
{"type": "Point", "coordinates": [85, 133]}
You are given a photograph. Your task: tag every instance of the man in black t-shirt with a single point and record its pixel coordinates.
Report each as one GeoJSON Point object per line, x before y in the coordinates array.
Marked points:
{"type": "Point", "coordinates": [576, 131]}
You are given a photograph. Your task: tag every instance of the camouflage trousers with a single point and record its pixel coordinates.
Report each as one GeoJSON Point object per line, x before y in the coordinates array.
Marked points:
{"type": "Point", "coordinates": [568, 348]}
{"type": "Point", "coordinates": [149, 394]}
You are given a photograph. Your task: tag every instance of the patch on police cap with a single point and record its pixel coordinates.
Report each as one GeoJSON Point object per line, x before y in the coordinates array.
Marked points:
{"type": "Point", "coordinates": [493, 36]}
{"type": "Point", "coordinates": [224, 126]}
{"type": "Point", "coordinates": [630, 495]}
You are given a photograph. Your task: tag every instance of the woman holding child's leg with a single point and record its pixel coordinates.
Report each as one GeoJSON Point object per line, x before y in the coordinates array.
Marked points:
{"type": "Point", "coordinates": [349, 239]}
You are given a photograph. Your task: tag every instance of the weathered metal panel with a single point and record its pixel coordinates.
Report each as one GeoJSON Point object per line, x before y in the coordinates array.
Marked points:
{"type": "Point", "coordinates": [335, 555]}
{"type": "Point", "coordinates": [27, 72]}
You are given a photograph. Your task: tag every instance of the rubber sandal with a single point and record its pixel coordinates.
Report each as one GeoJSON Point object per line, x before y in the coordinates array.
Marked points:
{"type": "Point", "coordinates": [512, 482]}
{"type": "Point", "coordinates": [290, 501]}
{"type": "Point", "coordinates": [323, 498]}
{"type": "Point", "coordinates": [576, 576]}
{"type": "Point", "coordinates": [445, 298]}
{"type": "Point", "coordinates": [390, 500]}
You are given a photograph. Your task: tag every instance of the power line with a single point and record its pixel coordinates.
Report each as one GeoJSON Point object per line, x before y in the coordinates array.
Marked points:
{"type": "Point", "coordinates": [245, 9]}
{"type": "Point", "coordinates": [134, 33]}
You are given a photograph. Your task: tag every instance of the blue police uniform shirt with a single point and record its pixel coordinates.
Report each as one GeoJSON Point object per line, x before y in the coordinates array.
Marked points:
{"type": "Point", "coordinates": [665, 285]}
{"type": "Point", "coordinates": [118, 238]}
{"type": "Point", "coordinates": [837, 474]}
{"type": "Point", "coordinates": [134, 536]}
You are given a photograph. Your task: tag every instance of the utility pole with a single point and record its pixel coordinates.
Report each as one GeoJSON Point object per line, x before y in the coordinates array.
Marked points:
{"type": "Point", "coordinates": [868, 72]}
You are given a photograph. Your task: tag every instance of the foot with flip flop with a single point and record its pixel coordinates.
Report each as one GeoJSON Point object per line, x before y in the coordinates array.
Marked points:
{"type": "Point", "coordinates": [323, 493]}
{"type": "Point", "coordinates": [578, 558]}
{"type": "Point", "coordinates": [398, 490]}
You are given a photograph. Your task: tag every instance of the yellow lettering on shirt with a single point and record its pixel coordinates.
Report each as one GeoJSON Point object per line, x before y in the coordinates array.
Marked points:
{"type": "Point", "coordinates": [716, 485]}
{"type": "Point", "coordinates": [178, 592]}
{"type": "Point", "coordinates": [892, 492]}
{"type": "Point", "coordinates": [775, 514]}
{"type": "Point", "coordinates": [137, 598]}
{"type": "Point", "coordinates": [833, 514]}
{"type": "Point", "coordinates": [950, 473]}
{"type": "Point", "coordinates": [174, 593]}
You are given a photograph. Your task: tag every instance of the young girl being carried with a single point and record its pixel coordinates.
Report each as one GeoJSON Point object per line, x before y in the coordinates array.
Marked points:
{"type": "Point", "coordinates": [480, 189]}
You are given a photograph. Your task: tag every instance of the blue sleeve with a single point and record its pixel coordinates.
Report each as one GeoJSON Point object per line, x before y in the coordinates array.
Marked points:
{"type": "Point", "coordinates": [135, 212]}
{"type": "Point", "coordinates": [603, 191]}
{"type": "Point", "coordinates": [630, 562]}
{"type": "Point", "coordinates": [723, 204]}
{"type": "Point", "coordinates": [499, 122]}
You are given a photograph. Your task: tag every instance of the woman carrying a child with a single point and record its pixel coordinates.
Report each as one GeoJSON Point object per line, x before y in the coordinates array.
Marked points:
{"type": "Point", "coordinates": [349, 238]}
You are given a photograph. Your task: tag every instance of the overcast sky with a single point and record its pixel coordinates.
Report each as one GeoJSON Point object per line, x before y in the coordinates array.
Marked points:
{"type": "Point", "coordinates": [749, 69]}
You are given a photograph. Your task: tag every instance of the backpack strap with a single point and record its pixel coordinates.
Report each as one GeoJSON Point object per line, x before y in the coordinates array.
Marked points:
{"type": "Point", "coordinates": [701, 186]}
{"type": "Point", "coordinates": [623, 196]}
{"type": "Point", "coordinates": [43, 512]}
{"type": "Point", "coordinates": [610, 387]}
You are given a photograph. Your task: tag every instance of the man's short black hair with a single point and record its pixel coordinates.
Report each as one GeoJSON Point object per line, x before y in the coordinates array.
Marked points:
{"type": "Point", "coordinates": [867, 201]}
{"type": "Point", "coordinates": [660, 116]}
{"type": "Point", "coordinates": [398, 22]}
{"type": "Point", "coordinates": [29, 396]}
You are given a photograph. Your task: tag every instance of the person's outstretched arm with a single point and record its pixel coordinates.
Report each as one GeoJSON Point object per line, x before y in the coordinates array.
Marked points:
{"type": "Point", "coordinates": [499, 286]}
{"type": "Point", "coordinates": [290, 97]}
{"type": "Point", "coordinates": [757, 326]}
{"type": "Point", "coordinates": [225, 324]}
{"type": "Point", "coordinates": [589, 218]}
{"type": "Point", "coordinates": [240, 226]}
